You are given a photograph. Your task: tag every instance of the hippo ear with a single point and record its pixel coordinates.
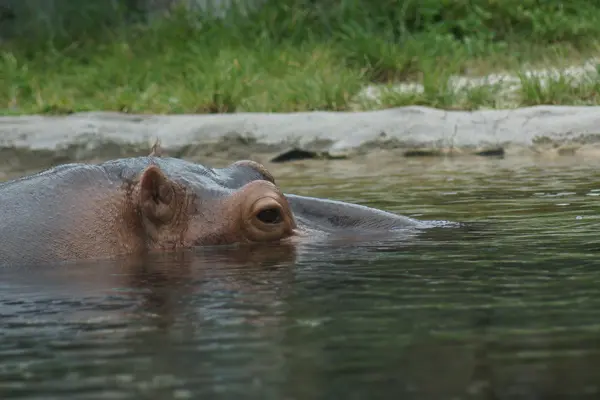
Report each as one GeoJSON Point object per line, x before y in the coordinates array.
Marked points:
{"type": "Point", "coordinates": [156, 150]}
{"type": "Point", "coordinates": [157, 195]}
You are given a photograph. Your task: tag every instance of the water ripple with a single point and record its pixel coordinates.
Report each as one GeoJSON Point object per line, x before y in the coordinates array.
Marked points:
{"type": "Point", "coordinates": [505, 307]}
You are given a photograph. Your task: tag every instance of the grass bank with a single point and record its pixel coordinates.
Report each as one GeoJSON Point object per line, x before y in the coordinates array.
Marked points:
{"type": "Point", "coordinates": [302, 55]}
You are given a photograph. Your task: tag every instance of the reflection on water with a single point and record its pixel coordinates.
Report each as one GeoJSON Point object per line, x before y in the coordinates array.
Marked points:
{"type": "Point", "coordinates": [507, 307]}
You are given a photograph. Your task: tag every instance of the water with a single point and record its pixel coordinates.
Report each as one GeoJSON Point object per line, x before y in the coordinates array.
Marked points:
{"type": "Point", "coordinates": [505, 308]}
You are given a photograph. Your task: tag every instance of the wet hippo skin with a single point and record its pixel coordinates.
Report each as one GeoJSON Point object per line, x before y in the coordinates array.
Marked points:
{"type": "Point", "coordinates": [154, 203]}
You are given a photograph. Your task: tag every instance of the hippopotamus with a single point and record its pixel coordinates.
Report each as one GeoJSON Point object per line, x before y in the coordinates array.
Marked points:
{"type": "Point", "coordinates": [156, 203]}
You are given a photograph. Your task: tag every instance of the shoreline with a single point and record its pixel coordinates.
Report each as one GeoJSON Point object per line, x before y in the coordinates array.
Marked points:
{"type": "Point", "coordinates": [410, 131]}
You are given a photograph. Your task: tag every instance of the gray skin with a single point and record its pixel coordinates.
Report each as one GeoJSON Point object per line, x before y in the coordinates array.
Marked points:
{"type": "Point", "coordinates": [144, 204]}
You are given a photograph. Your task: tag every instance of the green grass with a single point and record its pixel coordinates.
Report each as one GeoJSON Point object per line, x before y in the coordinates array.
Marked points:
{"type": "Point", "coordinates": [560, 90]}
{"type": "Point", "coordinates": [191, 81]}
{"type": "Point", "coordinates": [297, 55]}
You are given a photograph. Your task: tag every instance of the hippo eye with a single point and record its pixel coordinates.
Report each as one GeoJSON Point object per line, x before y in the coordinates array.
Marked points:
{"type": "Point", "coordinates": [269, 216]}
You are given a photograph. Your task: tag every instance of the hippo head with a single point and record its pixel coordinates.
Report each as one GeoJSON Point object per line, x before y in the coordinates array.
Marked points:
{"type": "Point", "coordinates": [132, 205]}
{"type": "Point", "coordinates": [185, 205]}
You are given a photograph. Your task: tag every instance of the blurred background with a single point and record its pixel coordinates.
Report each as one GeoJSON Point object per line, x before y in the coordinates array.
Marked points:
{"type": "Point", "coordinates": [284, 55]}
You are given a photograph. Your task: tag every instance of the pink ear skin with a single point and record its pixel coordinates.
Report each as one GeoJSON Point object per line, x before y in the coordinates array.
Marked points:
{"type": "Point", "coordinates": [157, 195]}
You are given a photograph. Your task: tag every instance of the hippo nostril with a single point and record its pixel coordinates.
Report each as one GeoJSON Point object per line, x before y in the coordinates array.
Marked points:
{"type": "Point", "coordinates": [256, 167]}
{"type": "Point", "coordinates": [269, 215]}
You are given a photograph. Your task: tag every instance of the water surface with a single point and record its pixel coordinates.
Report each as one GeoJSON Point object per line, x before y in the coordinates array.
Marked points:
{"type": "Point", "coordinates": [507, 307]}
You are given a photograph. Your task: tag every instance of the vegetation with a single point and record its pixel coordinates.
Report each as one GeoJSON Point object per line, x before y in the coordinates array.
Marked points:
{"type": "Point", "coordinates": [297, 55]}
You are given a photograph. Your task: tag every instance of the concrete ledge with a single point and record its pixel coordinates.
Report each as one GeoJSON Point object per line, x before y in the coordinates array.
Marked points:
{"type": "Point", "coordinates": [416, 131]}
